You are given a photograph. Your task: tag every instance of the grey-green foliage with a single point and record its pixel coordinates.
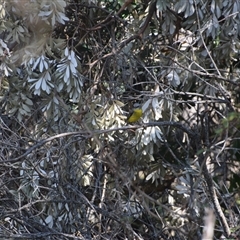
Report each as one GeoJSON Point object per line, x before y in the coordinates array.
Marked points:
{"type": "Point", "coordinates": [206, 36]}
{"type": "Point", "coordinates": [52, 66]}
{"type": "Point", "coordinates": [86, 61]}
{"type": "Point", "coordinates": [34, 62]}
{"type": "Point", "coordinates": [215, 22]}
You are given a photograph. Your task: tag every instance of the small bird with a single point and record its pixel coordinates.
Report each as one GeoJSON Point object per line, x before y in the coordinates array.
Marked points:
{"type": "Point", "coordinates": [136, 115]}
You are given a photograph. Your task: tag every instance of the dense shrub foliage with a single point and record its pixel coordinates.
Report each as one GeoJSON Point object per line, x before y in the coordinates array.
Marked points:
{"type": "Point", "coordinates": [71, 72]}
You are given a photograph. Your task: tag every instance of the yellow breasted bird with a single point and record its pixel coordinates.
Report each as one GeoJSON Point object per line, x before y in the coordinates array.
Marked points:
{"type": "Point", "coordinates": [136, 115]}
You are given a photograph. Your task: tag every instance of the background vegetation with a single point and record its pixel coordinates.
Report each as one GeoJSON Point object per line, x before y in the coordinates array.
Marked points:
{"type": "Point", "coordinates": [71, 71]}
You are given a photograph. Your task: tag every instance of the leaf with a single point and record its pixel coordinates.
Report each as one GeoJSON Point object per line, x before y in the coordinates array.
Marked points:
{"type": "Point", "coordinates": [73, 58]}
{"type": "Point", "coordinates": [155, 103]}
{"type": "Point", "coordinates": [26, 108]}
{"type": "Point", "coordinates": [41, 66]}
{"type": "Point", "coordinates": [146, 105]}
{"type": "Point", "coordinates": [49, 220]}
{"type": "Point", "coordinates": [181, 6]}
{"type": "Point", "coordinates": [173, 78]}
{"type": "Point", "coordinates": [45, 13]}
{"type": "Point", "coordinates": [38, 84]}
{"type": "Point", "coordinates": [66, 206]}
{"type": "Point", "coordinates": [29, 101]}
{"type": "Point", "coordinates": [44, 85]}
{"type": "Point", "coordinates": [73, 69]}
{"type": "Point", "coordinates": [212, 6]}
{"type": "Point", "coordinates": [159, 133]}
{"type": "Point", "coordinates": [66, 75]}
{"type": "Point", "coordinates": [66, 52]}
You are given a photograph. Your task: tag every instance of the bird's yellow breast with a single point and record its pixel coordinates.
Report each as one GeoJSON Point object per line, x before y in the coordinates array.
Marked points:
{"type": "Point", "coordinates": [136, 115]}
